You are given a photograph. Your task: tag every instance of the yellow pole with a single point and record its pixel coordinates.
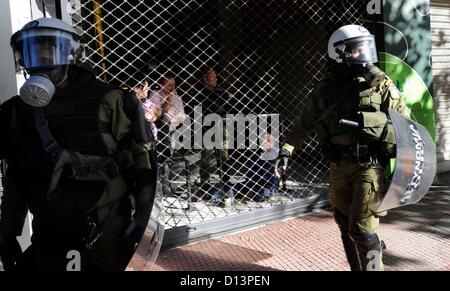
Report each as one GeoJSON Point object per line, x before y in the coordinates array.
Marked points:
{"type": "Point", "coordinates": [99, 33]}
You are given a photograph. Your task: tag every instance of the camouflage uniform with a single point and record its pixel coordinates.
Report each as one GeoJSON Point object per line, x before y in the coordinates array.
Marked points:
{"type": "Point", "coordinates": [356, 185]}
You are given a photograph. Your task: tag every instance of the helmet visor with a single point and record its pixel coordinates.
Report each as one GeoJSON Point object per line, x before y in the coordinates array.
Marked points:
{"type": "Point", "coordinates": [361, 50]}
{"type": "Point", "coordinates": [44, 48]}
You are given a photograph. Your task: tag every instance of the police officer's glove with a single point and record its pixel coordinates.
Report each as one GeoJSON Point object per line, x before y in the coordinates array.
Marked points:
{"type": "Point", "coordinates": [135, 231]}
{"type": "Point", "coordinates": [10, 252]}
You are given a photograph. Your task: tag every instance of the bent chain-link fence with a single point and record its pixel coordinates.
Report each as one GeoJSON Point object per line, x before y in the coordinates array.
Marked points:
{"type": "Point", "coordinates": [268, 56]}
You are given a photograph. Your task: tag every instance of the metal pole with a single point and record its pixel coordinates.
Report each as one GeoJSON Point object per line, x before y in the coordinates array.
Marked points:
{"type": "Point", "coordinates": [58, 9]}
{"type": "Point", "coordinates": [97, 8]}
{"type": "Point", "coordinates": [43, 8]}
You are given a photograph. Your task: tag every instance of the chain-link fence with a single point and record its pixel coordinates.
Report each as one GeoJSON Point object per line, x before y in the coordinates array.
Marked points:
{"type": "Point", "coordinates": [267, 56]}
{"type": "Point", "coordinates": [2, 174]}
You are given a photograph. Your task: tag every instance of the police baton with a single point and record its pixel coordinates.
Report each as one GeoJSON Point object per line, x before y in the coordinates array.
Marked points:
{"type": "Point", "coordinates": [349, 123]}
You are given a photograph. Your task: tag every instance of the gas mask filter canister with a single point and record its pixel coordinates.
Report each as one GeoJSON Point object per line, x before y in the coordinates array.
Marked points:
{"type": "Point", "coordinates": [37, 91]}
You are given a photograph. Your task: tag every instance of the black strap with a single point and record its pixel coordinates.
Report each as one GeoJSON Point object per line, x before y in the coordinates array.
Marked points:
{"type": "Point", "coordinates": [48, 141]}
{"type": "Point", "coordinates": [62, 157]}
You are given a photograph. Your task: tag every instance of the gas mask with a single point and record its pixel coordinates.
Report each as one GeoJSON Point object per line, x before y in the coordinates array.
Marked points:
{"type": "Point", "coordinates": [371, 73]}
{"type": "Point", "coordinates": [40, 87]}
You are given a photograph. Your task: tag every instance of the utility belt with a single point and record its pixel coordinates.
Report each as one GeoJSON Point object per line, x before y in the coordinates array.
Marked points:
{"type": "Point", "coordinates": [363, 154]}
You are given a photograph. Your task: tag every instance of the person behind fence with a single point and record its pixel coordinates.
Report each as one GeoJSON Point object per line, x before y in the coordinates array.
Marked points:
{"type": "Point", "coordinates": [261, 182]}
{"type": "Point", "coordinates": [76, 149]}
{"type": "Point", "coordinates": [214, 100]}
{"type": "Point", "coordinates": [348, 111]}
{"type": "Point", "coordinates": [151, 111]}
{"type": "Point", "coordinates": [168, 108]}
{"type": "Point", "coordinates": [169, 104]}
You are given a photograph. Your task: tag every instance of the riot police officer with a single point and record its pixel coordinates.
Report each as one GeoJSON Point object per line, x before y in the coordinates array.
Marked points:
{"type": "Point", "coordinates": [75, 149]}
{"type": "Point", "coordinates": [349, 112]}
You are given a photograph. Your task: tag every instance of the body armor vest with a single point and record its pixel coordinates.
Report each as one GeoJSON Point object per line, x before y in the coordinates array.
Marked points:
{"type": "Point", "coordinates": [350, 102]}
{"type": "Point", "coordinates": [73, 120]}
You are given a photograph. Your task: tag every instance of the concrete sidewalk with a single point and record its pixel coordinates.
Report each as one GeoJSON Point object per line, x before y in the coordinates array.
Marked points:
{"type": "Point", "coordinates": [417, 237]}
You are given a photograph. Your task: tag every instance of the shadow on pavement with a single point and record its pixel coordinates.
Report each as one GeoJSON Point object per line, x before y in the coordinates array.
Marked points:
{"type": "Point", "coordinates": [391, 260]}
{"type": "Point", "coordinates": [222, 257]}
{"type": "Point", "coordinates": [430, 216]}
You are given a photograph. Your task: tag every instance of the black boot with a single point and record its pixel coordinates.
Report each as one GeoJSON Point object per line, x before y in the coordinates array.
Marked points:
{"type": "Point", "coordinates": [349, 245]}
{"type": "Point", "coordinates": [370, 250]}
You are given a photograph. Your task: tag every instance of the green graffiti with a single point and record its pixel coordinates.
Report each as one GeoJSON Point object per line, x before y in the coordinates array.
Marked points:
{"type": "Point", "coordinates": [414, 90]}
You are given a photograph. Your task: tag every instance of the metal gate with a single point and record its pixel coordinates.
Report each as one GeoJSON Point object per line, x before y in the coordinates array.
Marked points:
{"type": "Point", "coordinates": [2, 174]}
{"type": "Point", "coordinates": [267, 55]}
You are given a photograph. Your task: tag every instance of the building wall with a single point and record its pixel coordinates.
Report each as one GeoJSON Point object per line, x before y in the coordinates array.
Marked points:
{"type": "Point", "coordinates": [8, 86]}
{"type": "Point", "coordinates": [440, 28]}
{"type": "Point", "coordinates": [13, 16]}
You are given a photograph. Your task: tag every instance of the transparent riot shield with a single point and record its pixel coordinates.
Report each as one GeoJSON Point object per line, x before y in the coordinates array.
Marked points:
{"type": "Point", "coordinates": [416, 164]}
{"type": "Point", "coordinates": [154, 235]}
{"type": "Point", "coordinates": [150, 246]}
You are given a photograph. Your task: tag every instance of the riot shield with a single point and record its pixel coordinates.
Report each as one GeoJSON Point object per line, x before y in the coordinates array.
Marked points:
{"type": "Point", "coordinates": [150, 245]}
{"type": "Point", "coordinates": [416, 164]}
